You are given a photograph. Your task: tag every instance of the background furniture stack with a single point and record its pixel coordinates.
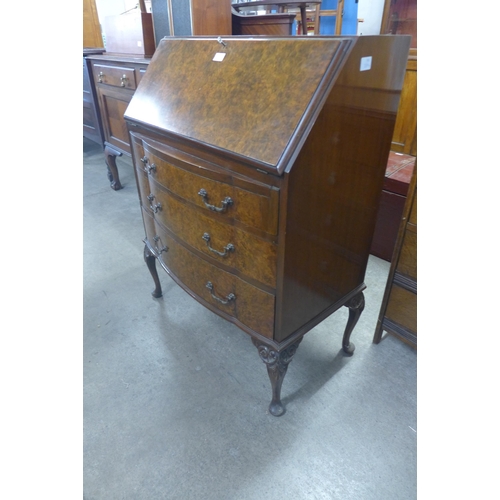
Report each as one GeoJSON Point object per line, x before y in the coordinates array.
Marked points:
{"type": "Point", "coordinates": [399, 18]}
{"type": "Point", "coordinates": [398, 313]}
{"type": "Point", "coordinates": [111, 76]}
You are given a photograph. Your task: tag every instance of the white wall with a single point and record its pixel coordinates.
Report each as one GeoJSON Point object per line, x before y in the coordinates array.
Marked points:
{"type": "Point", "coordinates": [371, 11]}
{"type": "Point", "coordinates": [107, 8]}
{"type": "Point", "coordinates": [112, 7]}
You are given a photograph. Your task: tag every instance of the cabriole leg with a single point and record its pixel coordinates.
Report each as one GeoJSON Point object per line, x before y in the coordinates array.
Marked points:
{"type": "Point", "coordinates": [356, 306]}
{"type": "Point", "coordinates": [110, 156]}
{"type": "Point", "coordinates": [151, 263]}
{"type": "Point", "coordinates": [277, 365]}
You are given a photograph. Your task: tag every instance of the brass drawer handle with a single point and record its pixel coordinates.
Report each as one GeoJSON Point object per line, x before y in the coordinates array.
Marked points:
{"type": "Point", "coordinates": [99, 76]}
{"type": "Point", "coordinates": [150, 168]}
{"type": "Point", "coordinates": [225, 301]}
{"type": "Point", "coordinates": [159, 250]}
{"type": "Point", "coordinates": [154, 208]}
{"type": "Point", "coordinates": [123, 79]}
{"type": "Point", "coordinates": [225, 203]}
{"type": "Point", "coordinates": [147, 167]}
{"type": "Point", "coordinates": [228, 248]}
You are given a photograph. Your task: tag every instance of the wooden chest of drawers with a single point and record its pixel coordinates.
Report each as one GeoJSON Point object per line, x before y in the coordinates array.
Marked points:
{"type": "Point", "coordinates": [398, 312]}
{"type": "Point", "coordinates": [259, 165]}
{"type": "Point", "coordinates": [116, 78]}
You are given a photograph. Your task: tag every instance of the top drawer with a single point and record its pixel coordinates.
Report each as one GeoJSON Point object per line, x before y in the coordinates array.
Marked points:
{"type": "Point", "coordinates": [117, 76]}
{"type": "Point", "coordinates": [232, 198]}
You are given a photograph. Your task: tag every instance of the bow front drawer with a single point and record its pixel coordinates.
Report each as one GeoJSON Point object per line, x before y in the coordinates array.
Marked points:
{"type": "Point", "coordinates": [231, 198]}
{"type": "Point", "coordinates": [220, 290]}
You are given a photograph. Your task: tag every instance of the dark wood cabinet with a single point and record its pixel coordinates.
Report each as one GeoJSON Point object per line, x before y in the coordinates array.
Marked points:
{"type": "Point", "coordinates": [397, 180]}
{"type": "Point", "coordinates": [259, 165]}
{"type": "Point", "coordinates": [398, 312]}
{"type": "Point", "coordinates": [92, 125]}
{"type": "Point", "coordinates": [115, 78]}
{"type": "Point", "coordinates": [268, 24]}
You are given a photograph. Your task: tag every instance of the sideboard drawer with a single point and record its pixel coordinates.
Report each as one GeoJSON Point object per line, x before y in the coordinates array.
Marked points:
{"type": "Point", "coordinates": [222, 290]}
{"type": "Point", "coordinates": [402, 306]}
{"type": "Point", "coordinates": [117, 76]}
{"type": "Point", "coordinates": [254, 205]}
{"type": "Point", "coordinates": [229, 245]}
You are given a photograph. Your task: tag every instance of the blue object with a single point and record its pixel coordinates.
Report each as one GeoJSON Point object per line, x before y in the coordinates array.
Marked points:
{"type": "Point", "coordinates": [349, 21]}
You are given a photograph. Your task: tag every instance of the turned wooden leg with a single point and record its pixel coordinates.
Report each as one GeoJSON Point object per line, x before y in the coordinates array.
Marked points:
{"type": "Point", "coordinates": [277, 365]}
{"type": "Point", "coordinates": [110, 157]}
{"type": "Point", "coordinates": [356, 306]}
{"type": "Point", "coordinates": [151, 263]}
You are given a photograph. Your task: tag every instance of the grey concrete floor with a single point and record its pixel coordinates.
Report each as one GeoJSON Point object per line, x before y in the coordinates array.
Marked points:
{"type": "Point", "coordinates": [176, 398]}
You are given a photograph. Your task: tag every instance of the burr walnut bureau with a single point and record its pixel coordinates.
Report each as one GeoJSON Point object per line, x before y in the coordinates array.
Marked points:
{"type": "Point", "coordinates": [259, 165]}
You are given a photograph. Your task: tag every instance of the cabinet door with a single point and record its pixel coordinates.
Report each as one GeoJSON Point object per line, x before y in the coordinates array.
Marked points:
{"type": "Point", "coordinates": [113, 105]}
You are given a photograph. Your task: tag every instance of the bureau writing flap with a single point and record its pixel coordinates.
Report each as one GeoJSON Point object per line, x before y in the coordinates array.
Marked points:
{"type": "Point", "coordinates": [253, 97]}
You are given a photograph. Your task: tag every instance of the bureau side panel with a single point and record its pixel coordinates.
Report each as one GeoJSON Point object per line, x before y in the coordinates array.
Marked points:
{"type": "Point", "coordinates": [334, 189]}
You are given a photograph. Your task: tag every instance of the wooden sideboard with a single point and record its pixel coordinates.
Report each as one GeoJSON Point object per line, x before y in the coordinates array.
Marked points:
{"type": "Point", "coordinates": [92, 124]}
{"type": "Point", "coordinates": [398, 312]}
{"type": "Point", "coordinates": [259, 203]}
{"type": "Point", "coordinates": [115, 78]}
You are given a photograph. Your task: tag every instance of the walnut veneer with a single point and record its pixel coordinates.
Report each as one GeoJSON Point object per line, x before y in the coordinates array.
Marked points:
{"type": "Point", "coordinates": [259, 175]}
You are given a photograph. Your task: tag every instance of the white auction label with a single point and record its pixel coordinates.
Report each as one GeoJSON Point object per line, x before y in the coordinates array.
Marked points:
{"type": "Point", "coordinates": [219, 56]}
{"type": "Point", "coordinates": [366, 63]}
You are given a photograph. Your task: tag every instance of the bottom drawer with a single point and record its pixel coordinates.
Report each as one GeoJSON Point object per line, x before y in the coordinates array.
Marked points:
{"type": "Point", "coordinates": [402, 308]}
{"type": "Point", "coordinates": [222, 290]}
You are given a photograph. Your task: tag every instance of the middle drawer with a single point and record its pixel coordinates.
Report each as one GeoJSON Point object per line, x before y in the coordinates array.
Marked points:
{"type": "Point", "coordinates": [227, 244]}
